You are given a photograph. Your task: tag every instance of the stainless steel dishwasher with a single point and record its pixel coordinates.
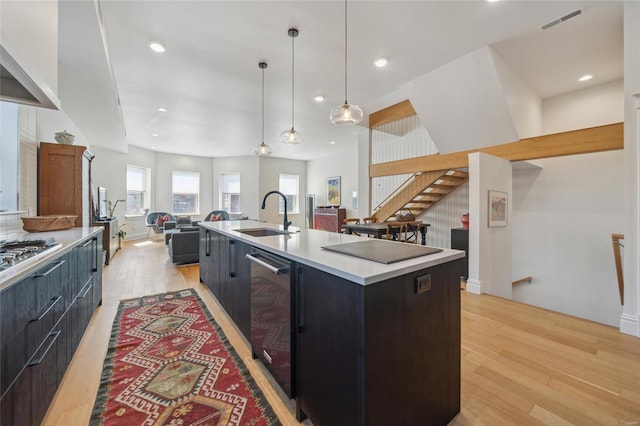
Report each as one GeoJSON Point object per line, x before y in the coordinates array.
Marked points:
{"type": "Point", "coordinates": [271, 314]}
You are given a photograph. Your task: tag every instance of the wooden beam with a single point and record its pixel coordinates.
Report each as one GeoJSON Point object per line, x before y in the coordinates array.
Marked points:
{"type": "Point", "coordinates": [395, 112]}
{"type": "Point", "coordinates": [595, 139]}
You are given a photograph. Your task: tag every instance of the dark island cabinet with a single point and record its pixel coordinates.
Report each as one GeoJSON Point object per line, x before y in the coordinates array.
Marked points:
{"type": "Point", "coordinates": [43, 318]}
{"type": "Point", "coordinates": [225, 271]}
{"type": "Point", "coordinates": [380, 354]}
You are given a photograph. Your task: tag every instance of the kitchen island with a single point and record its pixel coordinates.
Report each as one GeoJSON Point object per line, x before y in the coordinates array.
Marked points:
{"type": "Point", "coordinates": [371, 343]}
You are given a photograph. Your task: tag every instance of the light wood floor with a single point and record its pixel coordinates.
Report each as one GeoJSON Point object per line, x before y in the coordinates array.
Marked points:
{"type": "Point", "coordinates": [520, 364]}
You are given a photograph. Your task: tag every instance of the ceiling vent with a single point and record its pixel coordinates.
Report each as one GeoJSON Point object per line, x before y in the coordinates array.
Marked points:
{"type": "Point", "coordinates": [562, 19]}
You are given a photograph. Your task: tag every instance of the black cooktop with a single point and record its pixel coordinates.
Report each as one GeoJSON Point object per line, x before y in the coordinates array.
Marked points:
{"type": "Point", "coordinates": [382, 251]}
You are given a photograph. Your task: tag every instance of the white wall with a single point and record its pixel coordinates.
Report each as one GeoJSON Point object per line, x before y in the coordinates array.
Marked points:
{"type": "Point", "coordinates": [269, 175]}
{"type": "Point", "coordinates": [630, 319]}
{"type": "Point", "coordinates": [563, 218]}
{"type": "Point", "coordinates": [525, 105]}
{"type": "Point", "coordinates": [249, 168]}
{"type": "Point", "coordinates": [490, 267]}
{"type": "Point", "coordinates": [344, 164]}
{"type": "Point", "coordinates": [594, 106]}
{"type": "Point", "coordinates": [166, 164]}
{"type": "Point", "coordinates": [109, 169]}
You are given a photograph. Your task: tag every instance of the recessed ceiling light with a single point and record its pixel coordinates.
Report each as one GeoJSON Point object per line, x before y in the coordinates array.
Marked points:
{"type": "Point", "coordinates": [161, 109]}
{"type": "Point", "coordinates": [157, 47]}
{"type": "Point", "coordinates": [155, 134]}
{"type": "Point", "coordinates": [332, 142]}
{"type": "Point", "coordinates": [381, 62]}
{"type": "Point", "coordinates": [585, 77]}
{"type": "Point", "coordinates": [492, 1]}
{"type": "Point", "coordinates": [319, 98]}
{"type": "Point", "coordinates": [153, 147]}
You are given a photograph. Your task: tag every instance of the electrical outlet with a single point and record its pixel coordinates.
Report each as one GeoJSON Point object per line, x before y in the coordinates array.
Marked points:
{"type": "Point", "coordinates": [423, 283]}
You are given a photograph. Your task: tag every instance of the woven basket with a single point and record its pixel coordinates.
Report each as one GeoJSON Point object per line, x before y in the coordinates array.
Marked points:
{"type": "Point", "coordinates": [405, 216]}
{"type": "Point", "coordinates": [48, 223]}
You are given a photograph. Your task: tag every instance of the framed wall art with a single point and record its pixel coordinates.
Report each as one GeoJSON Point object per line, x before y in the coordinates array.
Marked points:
{"type": "Point", "coordinates": [497, 208]}
{"type": "Point", "coordinates": [333, 191]}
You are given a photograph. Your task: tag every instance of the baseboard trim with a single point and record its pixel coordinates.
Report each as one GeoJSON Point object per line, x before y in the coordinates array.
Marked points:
{"type": "Point", "coordinates": [475, 286]}
{"type": "Point", "coordinates": [630, 324]}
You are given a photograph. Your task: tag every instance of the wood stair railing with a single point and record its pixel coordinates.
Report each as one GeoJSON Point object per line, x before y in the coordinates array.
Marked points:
{"type": "Point", "coordinates": [421, 193]}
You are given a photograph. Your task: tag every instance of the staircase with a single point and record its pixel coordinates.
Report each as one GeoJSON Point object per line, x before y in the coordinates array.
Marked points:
{"type": "Point", "coordinates": [420, 192]}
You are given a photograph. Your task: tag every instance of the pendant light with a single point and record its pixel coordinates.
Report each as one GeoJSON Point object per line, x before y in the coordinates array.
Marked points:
{"type": "Point", "coordinates": [345, 113]}
{"type": "Point", "coordinates": [291, 136]}
{"type": "Point", "coordinates": [262, 149]}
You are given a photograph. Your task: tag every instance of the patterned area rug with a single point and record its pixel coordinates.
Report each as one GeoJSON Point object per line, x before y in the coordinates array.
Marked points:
{"type": "Point", "coordinates": [169, 363]}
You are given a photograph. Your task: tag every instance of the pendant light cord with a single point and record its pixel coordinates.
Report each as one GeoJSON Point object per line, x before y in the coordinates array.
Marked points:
{"type": "Point", "coordinates": [345, 52]}
{"type": "Point", "coordinates": [293, 59]}
{"type": "Point", "coordinates": [262, 106]}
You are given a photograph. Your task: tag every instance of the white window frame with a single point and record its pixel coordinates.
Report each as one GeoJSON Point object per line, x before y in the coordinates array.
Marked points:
{"type": "Point", "coordinates": [144, 188]}
{"type": "Point", "coordinates": [224, 189]}
{"type": "Point", "coordinates": [295, 208]}
{"type": "Point", "coordinates": [175, 173]}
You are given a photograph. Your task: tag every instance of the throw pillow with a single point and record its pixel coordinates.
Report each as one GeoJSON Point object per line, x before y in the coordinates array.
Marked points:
{"type": "Point", "coordinates": [216, 217]}
{"type": "Point", "coordinates": [162, 219]}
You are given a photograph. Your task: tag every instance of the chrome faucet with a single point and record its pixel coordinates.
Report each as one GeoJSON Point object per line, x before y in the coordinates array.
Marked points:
{"type": "Point", "coordinates": [264, 201]}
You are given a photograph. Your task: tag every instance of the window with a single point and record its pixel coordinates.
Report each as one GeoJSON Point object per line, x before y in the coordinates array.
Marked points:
{"type": "Point", "coordinates": [230, 192]}
{"type": "Point", "coordinates": [289, 187]}
{"type": "Point", "coordinates": [185, 192]}
{"type": "Point", "coordinates": [138, 190]}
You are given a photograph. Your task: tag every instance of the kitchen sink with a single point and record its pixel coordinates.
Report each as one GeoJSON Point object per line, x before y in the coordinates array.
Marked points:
{"type": "Point", "coordinates": [262, 232]}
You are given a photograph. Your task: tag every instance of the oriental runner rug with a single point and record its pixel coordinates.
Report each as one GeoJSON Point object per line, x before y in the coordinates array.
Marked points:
{"type": "Point", "coordinates": [169, 363]}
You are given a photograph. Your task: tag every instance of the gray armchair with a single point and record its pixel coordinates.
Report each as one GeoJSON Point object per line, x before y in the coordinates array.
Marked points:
{"type": "Point", "coordinates": [223, 214]}
{"type": "Point", "coordinates": [152, 222]}
{"type": "Point", "coordinates": [184, 247]}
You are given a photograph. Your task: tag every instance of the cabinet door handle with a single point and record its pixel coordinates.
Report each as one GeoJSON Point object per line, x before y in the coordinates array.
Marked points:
{"type": "Point", "coordinates": [87, 243]}
{"type": "Point", "coordinates": [232, 258]}
{"type": "Point", "coordinates": [53, 336]}
{"type": "Point", "coordinates": [207, 243]}
{"type": "Point", "coordinates": [300, 305]}
{"type": "Point", "coordinates": [53, 268]}
{"type": "Point", "coordinates": [52, 303]}
{"type": "Point", "coordinates": [95, 254]}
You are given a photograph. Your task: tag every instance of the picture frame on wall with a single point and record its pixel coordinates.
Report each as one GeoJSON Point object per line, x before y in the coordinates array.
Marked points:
{"type": "Point", "coordinates": [497, 208]}
{"type": "Point", "coordinates": [333, 191]}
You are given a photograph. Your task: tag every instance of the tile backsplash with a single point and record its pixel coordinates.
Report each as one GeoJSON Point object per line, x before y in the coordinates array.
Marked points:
{"type": "Point", "coordinates": [11, 225]}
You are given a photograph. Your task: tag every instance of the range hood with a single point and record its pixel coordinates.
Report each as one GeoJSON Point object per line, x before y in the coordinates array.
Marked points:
{"type": "Point", "coordinates": [18, 86]}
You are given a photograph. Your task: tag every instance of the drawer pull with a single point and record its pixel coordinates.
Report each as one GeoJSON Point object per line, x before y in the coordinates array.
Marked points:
{"type": "Point", "coordinates": [46, 311]}
{"type": "Point", "coordinates": [87, 243]}
{"type": "Point", "coordinates": [53, 336]}
{"type": "Point", "coordinates": [54, 267]}
{"type": "Point", "coordinates": [83, 295]}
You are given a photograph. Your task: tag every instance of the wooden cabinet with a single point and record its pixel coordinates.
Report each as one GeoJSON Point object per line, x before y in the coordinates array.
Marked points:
{"type": "Point", "coordinates": [43, 318]}
{"type": "Point", "coordinates": [64, 173]}
{"type": "Point", "coordinates": [460, 241]}
{"type": "Point", "coordinates": [110, 242]}
{"type": "Point", "coordinates": [381, 354]}
{"type": "Point", "coordinates": [226, 272]}
{"type": "Point", "coordinates": [329, 219]}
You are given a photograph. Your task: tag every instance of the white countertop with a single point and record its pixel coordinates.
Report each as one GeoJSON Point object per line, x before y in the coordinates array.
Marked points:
{"type": "Point", "coordinates": [305, 246]}
{"type": "Point", "coordinates": [65, 241]}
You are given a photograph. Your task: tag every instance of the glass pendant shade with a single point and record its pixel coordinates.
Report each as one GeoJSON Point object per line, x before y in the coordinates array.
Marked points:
{"type": "Point", "coordinates": [291, 137]}
{"type": "Point", "coordinates": [346, 114]}
{"type": "Point", "coordinates": [263, 149]}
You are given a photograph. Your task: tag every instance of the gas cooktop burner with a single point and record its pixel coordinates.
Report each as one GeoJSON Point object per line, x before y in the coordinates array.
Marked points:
{"type": "Point", "coordinates": [14, 252]}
